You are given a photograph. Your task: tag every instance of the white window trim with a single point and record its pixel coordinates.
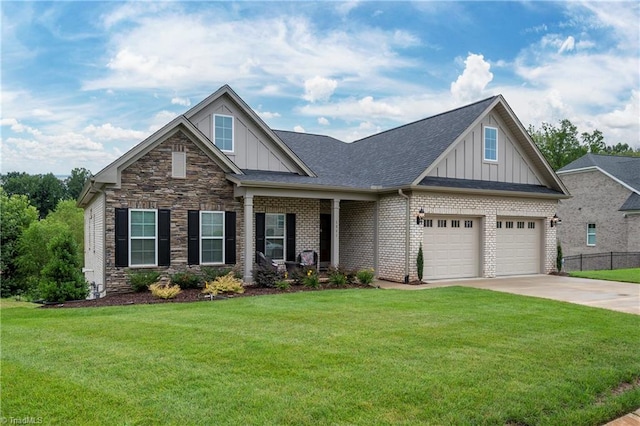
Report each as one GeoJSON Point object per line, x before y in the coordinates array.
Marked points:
{"type": "Point", "coordinates": [484, 144]}
{"type": "Point", "coordinates": [284, 235]}
{"type": "Point", "coordinates": [144, 238]}
{"type": "Point", "coordinates": [591, 233]}
{"type": "Point", "coordinates": [211, 238]}
{"type": "Point", "coordinates": [178, 164]}
{"type": "Point", "coordinates": [233, 131]}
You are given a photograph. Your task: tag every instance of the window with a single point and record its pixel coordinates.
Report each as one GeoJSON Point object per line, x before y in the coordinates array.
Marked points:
{"type": "Point", "coordinates": [142, 234]}
{"type": "Point", "coordinates": [532, 225]}
{"type": "Point", "coordinates": [178, 164]}
{"type": "Point", "coordinates": [455, 224]}
{"type": "Point", "coordinates": [442, 223]}
{"type": "Point", "coordinates": [223, 132]}
{"type": "Point", "coordinates": [499, 225]}
{"type": "Point", "coordinates": [211, 237]}
{"type": "Point", "coordinates": [509, 225]}
{"type": "Point", "coordinates": [468, 224]}
{"type": "Point", "coordinates": [274, 236]}
{"type": "Point", "coordinates": [591, 234]}
{"type": "Point", "coordinates": [520, 225]}
{"type": "Point", "coordinates": [490, 144]}
{"type": "Point", "coordinates": [429, 223]}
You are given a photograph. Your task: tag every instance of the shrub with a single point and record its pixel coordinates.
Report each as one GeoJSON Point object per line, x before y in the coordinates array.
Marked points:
{"type": "Point", "coordinates": [186, 280]}
{"type": "Point", "coordinates": [420, 262]}
{"type": "Point", "coordinates": [225, 284]}
{"type": "Point", "coordinates": [283, 284]}
{"type": "Point", "coordinates": [311, 279]}
{"type": "Point", "coordinates": [265, 277]}
{"type": "Point", "coordinates": [365, 276]}
{"type": "Point", "coordinates": [559, 258]}
{"type": "Point", "coordinates": [141, 280]}
{"type": "Point", "coordinates": [337, 277]}
{"type": "Point", "coordinates": [62, 279]}
{"type": "Point", "coordinates": [164, 290]}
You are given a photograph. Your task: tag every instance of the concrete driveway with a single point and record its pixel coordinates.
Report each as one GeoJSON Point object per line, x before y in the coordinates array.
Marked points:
{"type": "Point", "coordinates": [613, 295]}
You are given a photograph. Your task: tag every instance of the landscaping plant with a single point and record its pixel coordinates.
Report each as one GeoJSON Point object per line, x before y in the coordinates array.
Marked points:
{"type": "Point", "coordinates": [337, 277]}
{"type": "Point", "coordinates": [164, 290]}
{"type": "Point", "coordinates": [62, 278]}
{"type": "Point", "coordinates": [559, 258]}
{"type": "Point", "coordinates": [225, 284]}
{"type": "Point", "coordinates": [420, 262]}
{"type": "Point", "coordinates": [311, 279]}
{"type": "Point", "coordinates": [365, 276]}
{"type": "Point", "coordinates": [186, 280]}
{"type": "Point", "coordinates": [141, 280]}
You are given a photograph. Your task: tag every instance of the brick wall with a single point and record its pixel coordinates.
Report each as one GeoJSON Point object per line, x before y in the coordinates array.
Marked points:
{"type": "Point", "coordinates": [393, 219]}
{"type": "Point", "coordinates": [596, 199]}
{"type": "Point", "coordinates": [357, 231]}
{"type": "Point", "coordinates": [148, 184]}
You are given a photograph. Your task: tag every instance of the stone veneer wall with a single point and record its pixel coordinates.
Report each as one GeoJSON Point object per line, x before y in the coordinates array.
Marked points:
{"type": "Point", "coordinates": [393, 221]}
{"type": "Point", "coordinates": [148, 184]}
{"type": "Point", "coordinates": [307, 212]}
{"type": "Point", "coordinates": [357, 232]}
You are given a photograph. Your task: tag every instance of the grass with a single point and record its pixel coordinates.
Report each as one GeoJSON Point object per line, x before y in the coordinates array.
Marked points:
{"type": "Point", "coordinates": [8, 303]}
{"type": "Point", "coordinates": [626, 275]}
{"type": "Point", "coordinates": [442, 356]}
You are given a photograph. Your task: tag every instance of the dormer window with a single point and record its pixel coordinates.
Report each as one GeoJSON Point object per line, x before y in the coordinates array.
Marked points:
{"type": "Point", "coordinates": [490, 144]}
{"type": "Point", "coordinates": [223, 132]}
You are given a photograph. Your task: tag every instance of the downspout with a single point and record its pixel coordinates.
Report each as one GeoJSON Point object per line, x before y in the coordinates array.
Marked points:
{"type": "Point", "coordinates": [407, 236]}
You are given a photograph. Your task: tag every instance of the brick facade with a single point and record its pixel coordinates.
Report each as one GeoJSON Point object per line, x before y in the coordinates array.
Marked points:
{"type": "Point", "coordinates": [596, 199]}
{"type": "Point", "coordinates": [147, 184]}
{"type": "Point", "coordinates": [357, 233]}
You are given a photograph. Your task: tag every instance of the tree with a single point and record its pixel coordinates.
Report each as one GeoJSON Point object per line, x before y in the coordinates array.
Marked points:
{"type": "Point", "coordinates": [16, 214]}
{"type": "Point", "coordinates": [560, 145]}
{"type": "Point", "coordinates": [420, 262]}
{"type": "Point", "coordinates": [62, 279]}
{"type": "Point", "coordinates": [76, 181]}
{"type": "Point", "coordinates": [43, 191]}
{"type": "Point", "coordinates": [594, 142]}
{"type": "Point", "coordinates": [67, 213]}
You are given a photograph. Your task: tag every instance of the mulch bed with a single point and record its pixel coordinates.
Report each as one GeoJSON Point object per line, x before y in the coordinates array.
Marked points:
{"type": "Point", "coordinates": [190, 295]}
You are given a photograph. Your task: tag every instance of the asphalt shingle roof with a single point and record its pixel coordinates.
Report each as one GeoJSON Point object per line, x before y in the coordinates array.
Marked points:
{"type": "Point", "coordinates": [625, 169]}
{"type": "Point", "coordinates": [489, 185]}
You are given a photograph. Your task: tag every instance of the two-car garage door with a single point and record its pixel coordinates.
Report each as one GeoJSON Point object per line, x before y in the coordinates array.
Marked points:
{"type": "Point", "coordinates": [452, 247]}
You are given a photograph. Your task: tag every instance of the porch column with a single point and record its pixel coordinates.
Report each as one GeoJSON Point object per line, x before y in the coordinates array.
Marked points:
{"type": "Point", "coordinates": [249, 250]}
{"type": "Point", "coordinates": [335, 229]}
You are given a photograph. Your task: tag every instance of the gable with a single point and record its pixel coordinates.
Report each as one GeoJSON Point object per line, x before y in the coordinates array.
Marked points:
{"type": "Point", "coordinates": [465, 159]}
{"type": "Point", "coordinates": [253, 148]}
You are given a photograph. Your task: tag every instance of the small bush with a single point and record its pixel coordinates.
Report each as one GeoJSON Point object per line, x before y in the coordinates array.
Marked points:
{"type": "Point", "coordinates": [141, 280]}
{"type": "Point", "coordinates": [311, 279]}
{"type": "Point", "coordinates": [283, 285]}
{"type": "Point", "coordinates": [62, 278]}
{"type": "Point", "coordinates": [337, 277]}
{"type": "Point", "coordinates": [164, 290]}
{"type": "Point", "coordinates": [265, 277]}
{"type": "Point", "coordinates": [186, 280]}
{"type": "Point", "coordinates": [420, 262]}
{"type": "Point", "coordinates": [365, 276]}
{"type": "Point", "coordinates": [225, 284]}
{"type": "Point", "coordinates": [559, 258]}
{"type": "Point", "coordinates": [350, 274]}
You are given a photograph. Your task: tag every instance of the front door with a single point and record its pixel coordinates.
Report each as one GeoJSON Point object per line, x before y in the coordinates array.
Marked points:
{"type": "Point", "coordinates": [325, 239]}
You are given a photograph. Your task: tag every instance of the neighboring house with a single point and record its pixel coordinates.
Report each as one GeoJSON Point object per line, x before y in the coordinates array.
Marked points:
{"type": "Point", "coordinates": [216, 184]}
{"type": "Point", "coordinates": [604, 213]}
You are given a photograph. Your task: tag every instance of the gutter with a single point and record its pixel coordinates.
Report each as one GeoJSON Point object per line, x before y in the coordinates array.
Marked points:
{"type": "Point", "coordinates": [407, 236]}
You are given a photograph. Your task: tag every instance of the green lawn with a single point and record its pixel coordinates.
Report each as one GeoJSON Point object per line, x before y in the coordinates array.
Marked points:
{"type": "Point", "coordinates": [627, 275]}
{"type": "Point", "coordinates": [441, 356]}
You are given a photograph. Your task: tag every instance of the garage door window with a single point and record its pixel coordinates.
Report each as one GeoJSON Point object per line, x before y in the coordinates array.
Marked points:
{"type": "Point", "coordinates": [509, 225]}
{"type": "Point", "coordinates": [468, 224]}
{"type": "Point", "coordinates": [520, 225]}
{"type": "Point", "coordinates": [591, 234]}
{"type": "Point", "coordinates": [442, 223]}
{"type": "Point", "coordinates": [429, 223]}
{"type": "Point", "coordinates": [532, 225]}
{"type": "Point", "coordinates": [499, 224]}
{"type": "Point", "coordinates": [455, 224]}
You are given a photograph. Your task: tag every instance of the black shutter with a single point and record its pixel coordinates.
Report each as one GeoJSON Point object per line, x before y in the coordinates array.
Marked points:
{"type": "Point", "coordinates": [122, 237]}
{"type": "Point", "coordinates": [230, 238]}
{"type": "Point", "coordinates": [260, 229]}
{"type": "Point", "coordinates": [193, 237]}
{"type": "Point", "coordinates": [164, 237]}
{"type": "Point", "coordinates": [291, 237]}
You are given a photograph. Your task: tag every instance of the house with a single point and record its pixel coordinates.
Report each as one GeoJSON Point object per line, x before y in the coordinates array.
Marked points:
{"type": "Point", "coordinates": [604, 213]}
{"type": "Point", "coordinates": [216, 184]}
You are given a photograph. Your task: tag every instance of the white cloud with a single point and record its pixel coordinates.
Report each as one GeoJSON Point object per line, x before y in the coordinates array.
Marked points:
{"type": "Point", "coordinates": [108, 132]}
{"type": "Point", "coordinates": [471, 84]}
{"type": "Point", "coordinates": [161, 119]}
{"type": "Point", "coordinates": [377, 108]}
{"type": "Point", "coordinates": [567, 45]}
{"type": "Point", "coordinates": [625, 118]}
{"type": "Point", "coordinates": [181, 101]}
{"type": "Point", "coordinates": [323, 121]}
{"type": "Point", "coordinates": [319, 88]}
{"type": "Point", "coordinates": [299, 129]}
{"type": "Point", "coordinates": [266, 115]}
{"type": "Point", "coordinates": [343, 8]}
{"type": "Point", "coordinates": [18, 127]}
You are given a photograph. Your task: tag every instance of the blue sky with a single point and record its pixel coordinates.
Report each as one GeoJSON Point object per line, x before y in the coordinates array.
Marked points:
{"type": "Point", "coordinates": [82, 82]}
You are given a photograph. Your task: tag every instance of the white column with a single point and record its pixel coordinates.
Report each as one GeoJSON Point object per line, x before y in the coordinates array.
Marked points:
{"type": "Point", "coordinates": [249, 250]}
{"type": "Point", "coordinates": [335, 229]}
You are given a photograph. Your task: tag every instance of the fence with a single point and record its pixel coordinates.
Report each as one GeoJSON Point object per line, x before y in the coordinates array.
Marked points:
{"type": "Point", "coordinates": [611, 260]}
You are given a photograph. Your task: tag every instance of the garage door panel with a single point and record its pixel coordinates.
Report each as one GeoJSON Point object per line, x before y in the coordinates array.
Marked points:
{"type": "Point", "coordinates": [518, 246]}
{"type": "Point", "coordinates": [449, 251]}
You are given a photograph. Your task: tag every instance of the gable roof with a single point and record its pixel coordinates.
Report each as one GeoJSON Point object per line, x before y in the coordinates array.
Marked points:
{"type": "Point", "coordinates": [622, 169]}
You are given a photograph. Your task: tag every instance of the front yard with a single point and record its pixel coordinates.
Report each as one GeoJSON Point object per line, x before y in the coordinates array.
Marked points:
{"type": "Point", "coordinates": [626, 275]}
{"type": "Point", "coordinates": [442, 356]}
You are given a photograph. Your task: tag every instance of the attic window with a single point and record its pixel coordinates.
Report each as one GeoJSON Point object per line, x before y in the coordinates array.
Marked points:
{"type": "Point", "coordinates": [223, 132]}
{"type": "Point", "coordinates": [490, 144]}
{"type": "Point", "coordinates": [179, 164]}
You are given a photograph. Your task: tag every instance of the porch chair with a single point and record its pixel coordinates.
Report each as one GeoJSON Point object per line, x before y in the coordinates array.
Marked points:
{"type": "Point", "coordinates": [265, 262]}
{"type": "Point", "coordinates": [306, 259]}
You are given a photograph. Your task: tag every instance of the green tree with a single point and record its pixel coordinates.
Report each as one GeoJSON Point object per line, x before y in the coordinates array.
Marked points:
{"type": "Point", "coordinates": [62, 279]}
{"type": "Point", "coordinates": [594, 142]}
{"type": "Point", "coordinates": [622, 149]}
{"type": "Point", "coordinates": [560, 145]}
{"type": "Point", "coordinates": [420, 262]}
{"type": "Point", "coordinates": [43, 191]}
{"type": "Point", "coordinates": [69, 214]}
{"type": "Point", "coordinates": [16, 214]}
{"type": "Point", "coordinates": [76, 181]}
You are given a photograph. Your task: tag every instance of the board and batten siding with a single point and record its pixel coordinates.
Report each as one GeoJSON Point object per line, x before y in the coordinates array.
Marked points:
{"type": "Point", "coordinates": [466, 159]}
{"type": "Point", "coordinates": [252, 148]}
{"type": "Point", "coordinates": [94, 215]}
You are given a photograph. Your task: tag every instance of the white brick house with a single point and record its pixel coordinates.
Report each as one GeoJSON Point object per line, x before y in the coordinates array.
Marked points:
{"type": "Point", "coordinates": [216, 184]}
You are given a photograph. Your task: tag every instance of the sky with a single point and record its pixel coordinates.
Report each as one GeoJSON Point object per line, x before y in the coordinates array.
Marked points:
{"type": "Point", "coordinates": [83, 82]}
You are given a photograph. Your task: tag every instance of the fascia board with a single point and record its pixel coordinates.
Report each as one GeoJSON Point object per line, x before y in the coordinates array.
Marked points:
{"type": "Point", "coordinates": [604, 172]}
